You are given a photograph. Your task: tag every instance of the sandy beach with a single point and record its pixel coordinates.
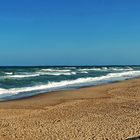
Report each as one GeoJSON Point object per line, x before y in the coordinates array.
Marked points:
{"type": "Point", "coordinates": [107, 112]}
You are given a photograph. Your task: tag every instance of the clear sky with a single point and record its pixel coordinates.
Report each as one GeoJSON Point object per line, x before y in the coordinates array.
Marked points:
{"type": "Point", "coordinates": [69, 32]}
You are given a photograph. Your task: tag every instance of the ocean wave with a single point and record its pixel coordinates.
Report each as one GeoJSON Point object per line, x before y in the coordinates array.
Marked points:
{"type": "Point", "coordinates": [83, 72]}
{"type": "Point", "coordinates": [107, 69]}
{"type": "Point", "coordinates": [90, 69]}
{"type": "Point", "coordinates": [8, 73]}
{"type": "Point", "coordinates": [104, 68]}
{"type": "Point", "coordinates": [19, 76]}
{"type": "Point", "coordinates": [52, 86]}
{"type": "Point", "coordinates": [87, 70]}
{"type": "Point", "coordinates": [56, 70]}
{"type": "Point", "coordinates": [121, 69]}
{"type": "Point", "coordinates": [70, 68]}
{"type": "Point", "coordinates": [57, 73]}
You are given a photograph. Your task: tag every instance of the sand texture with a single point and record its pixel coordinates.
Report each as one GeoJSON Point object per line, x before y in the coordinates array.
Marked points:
{"type": "Point", "coordinates": [108, 112]}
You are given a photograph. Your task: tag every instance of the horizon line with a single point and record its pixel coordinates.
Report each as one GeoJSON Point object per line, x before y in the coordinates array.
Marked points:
{"type": "Point", "coordinates": [68, 65]}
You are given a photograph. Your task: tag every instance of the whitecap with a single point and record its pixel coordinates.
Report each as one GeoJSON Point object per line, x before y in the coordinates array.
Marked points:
{"type": "Point", "coordinates": [8, 73]}
{"type": "Point", "coordinates": [56, 70]}
{"type": "Point", "coordinates": [19, 76]}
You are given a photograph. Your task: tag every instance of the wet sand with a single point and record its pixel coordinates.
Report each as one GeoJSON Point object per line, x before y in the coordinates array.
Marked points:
{"type": "Point", "coordinates": [107, 112]}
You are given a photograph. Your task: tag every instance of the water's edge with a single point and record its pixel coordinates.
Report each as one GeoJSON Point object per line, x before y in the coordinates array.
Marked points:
{"type": "Point", "coordinates": [18, 98]}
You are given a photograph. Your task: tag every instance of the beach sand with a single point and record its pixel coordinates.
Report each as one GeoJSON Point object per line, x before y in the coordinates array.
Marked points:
{"type": "Point", "coordinates": [107, 112]}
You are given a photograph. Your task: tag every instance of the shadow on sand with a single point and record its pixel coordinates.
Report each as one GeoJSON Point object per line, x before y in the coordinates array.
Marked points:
{"type": "Point", "coordinates": [135, 138]}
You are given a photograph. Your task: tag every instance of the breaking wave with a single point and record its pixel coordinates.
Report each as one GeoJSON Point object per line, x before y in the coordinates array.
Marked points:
{"type": "Point", "coordinates": [56, 70]}
{"type": "Point", "coordinates": [52, 86]}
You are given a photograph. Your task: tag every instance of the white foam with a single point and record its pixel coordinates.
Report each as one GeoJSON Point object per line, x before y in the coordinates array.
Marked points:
{"type": "Point", "coordinates": [8, 73]}
{"type": "Point", "coordinates": [20, 76]}
{"type": "Point", "coordinates": [70, 67]}
{"type": "Point", "coordinates": [17, 76]}
{"type": "Point", "coordinates": [104, 68]}
{"type": "Point", "coordinates": [57, 73]}
{"type": "Point", "coordinates": [91, 69]}
{"type": "Point", "coordinates": [56, 70]}
{"type": "Point", "coordinates": [72, 83]}
{"type": "Point", "coordinates": [121, 69]}
{"type": "Point", "coordinates": [83, 72]}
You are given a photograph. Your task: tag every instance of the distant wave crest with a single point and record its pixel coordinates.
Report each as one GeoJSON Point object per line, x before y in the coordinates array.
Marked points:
{"type": "Point", "coordinates": [35, 74]}
{"type": "Point", "coordinates": [56, 70]}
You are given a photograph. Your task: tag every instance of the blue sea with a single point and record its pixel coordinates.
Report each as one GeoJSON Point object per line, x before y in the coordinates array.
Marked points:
{"type": "Point", "coordinates": [19, 82]}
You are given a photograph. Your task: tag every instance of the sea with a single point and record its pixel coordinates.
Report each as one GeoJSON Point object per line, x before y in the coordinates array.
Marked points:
{"type": "Point", "coordinates": [22, 82]}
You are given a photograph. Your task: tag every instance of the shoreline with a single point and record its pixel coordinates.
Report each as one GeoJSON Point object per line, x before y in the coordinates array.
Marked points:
{"type": "Point", "coordinates": [110, 111]}
{"type": "Point", "coordinates": [14, 98]}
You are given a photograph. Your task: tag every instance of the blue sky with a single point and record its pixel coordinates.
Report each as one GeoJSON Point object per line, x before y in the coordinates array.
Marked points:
{"type": "Point", "coordinates": [69, 32]}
